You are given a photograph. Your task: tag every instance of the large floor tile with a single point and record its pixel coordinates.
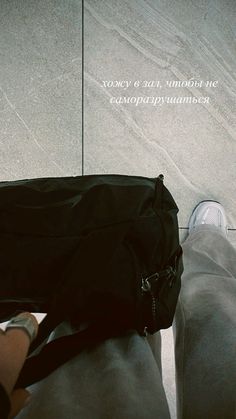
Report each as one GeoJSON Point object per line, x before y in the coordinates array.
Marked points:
{"type": "Point", "coordinates": [193, 144]}
{"type": "Point", "coordinates": [39, 40]}
{"type": "Point", "coordinates": [40, 88]}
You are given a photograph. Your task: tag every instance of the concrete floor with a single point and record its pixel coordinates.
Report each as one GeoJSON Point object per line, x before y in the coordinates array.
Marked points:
{"type": "Point", "coordinates": [192, 144]}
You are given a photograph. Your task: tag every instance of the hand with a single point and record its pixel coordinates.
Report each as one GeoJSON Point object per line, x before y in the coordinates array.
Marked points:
{"type": "Point", "coordinates": [19, 399]}
{"type": "Point", "coordinates": [14, 346]}
{"type": "Point", "coordinates": [32, 317]}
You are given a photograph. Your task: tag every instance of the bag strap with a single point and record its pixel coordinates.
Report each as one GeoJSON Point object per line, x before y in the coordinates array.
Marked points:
{"type": "Point", "coordinates": [61, 350]}
{"type": "Point", "coordinates": [159, 191]}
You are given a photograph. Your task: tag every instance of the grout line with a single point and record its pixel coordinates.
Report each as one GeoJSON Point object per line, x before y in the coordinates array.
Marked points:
{"type": "Point", "coordinates": [186, 228]}
{"type": "Point", "coordinates": [82, 92]}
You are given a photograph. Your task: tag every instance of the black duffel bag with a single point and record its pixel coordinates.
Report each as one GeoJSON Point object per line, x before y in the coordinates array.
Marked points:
{"type": "Point", "coordinates": [98, 249]}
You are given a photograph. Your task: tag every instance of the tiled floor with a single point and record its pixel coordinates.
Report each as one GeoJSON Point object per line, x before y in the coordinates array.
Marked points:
{"type": "Point", "coordinates": [192, 144]}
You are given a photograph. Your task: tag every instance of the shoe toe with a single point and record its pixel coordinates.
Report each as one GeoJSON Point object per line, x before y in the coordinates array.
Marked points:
{"type": "Point", "coordinates": [208, 212]}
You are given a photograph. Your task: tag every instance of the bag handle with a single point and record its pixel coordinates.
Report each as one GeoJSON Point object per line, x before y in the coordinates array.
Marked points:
{"type": "Point", "coordinates": [62, 349]}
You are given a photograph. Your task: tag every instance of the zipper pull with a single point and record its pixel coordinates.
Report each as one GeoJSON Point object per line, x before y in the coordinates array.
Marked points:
{"type": "Point", "coordinates": [149, 281]}
{"type": "Point", "coordinates": [146, 286]}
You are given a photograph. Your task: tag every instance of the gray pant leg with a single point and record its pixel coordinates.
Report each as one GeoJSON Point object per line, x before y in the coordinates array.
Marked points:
{"type": "Point", "coordinates": [119, 379]}
{"type": "Point", "coordinates": [205, 328]}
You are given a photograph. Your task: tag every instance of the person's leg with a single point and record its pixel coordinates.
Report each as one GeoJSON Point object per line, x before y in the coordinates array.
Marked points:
{"type": "Point", "coordinates": [119, 379]}
{"type": "Point", "coordinates": [205, 327]}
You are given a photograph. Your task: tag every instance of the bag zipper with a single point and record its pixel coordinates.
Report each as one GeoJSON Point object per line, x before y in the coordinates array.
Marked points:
{"type": "Point", "coordinates": [147, 287]}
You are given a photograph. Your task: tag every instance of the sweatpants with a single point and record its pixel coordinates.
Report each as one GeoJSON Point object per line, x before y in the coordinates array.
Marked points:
{"type": "Point", "coordinates": [122, 377]}
{"type": "Point", "coordinates": [205, 328]}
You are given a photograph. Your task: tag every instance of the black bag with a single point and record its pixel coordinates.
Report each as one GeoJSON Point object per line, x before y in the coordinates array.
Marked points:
{"type": "Point", "coordinates": [101, 249]}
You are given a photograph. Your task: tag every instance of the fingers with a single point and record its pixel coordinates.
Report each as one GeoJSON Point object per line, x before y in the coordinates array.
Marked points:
{"type": "Point", "coordinates": [14, 346]}
{"type": "Point", "coordinates": [32, 317]}
{"type": "Point", "coordinates": [19, 399]}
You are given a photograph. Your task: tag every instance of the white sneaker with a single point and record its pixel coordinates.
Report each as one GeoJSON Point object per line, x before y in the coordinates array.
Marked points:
{"type": "Point", "coordinates": [208, 212]}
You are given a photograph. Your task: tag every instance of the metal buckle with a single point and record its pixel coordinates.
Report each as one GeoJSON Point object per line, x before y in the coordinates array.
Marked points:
{"type": "Point", "coordinates": [147, 282]}
{"type": "Point", "coordinates": [169, 273]}
{"type": "Point", "coordinates": [145, 332]}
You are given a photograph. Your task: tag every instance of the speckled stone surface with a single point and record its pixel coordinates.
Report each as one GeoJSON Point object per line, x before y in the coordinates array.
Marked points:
{"type": "Point", "coordinates": [40, 88]}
